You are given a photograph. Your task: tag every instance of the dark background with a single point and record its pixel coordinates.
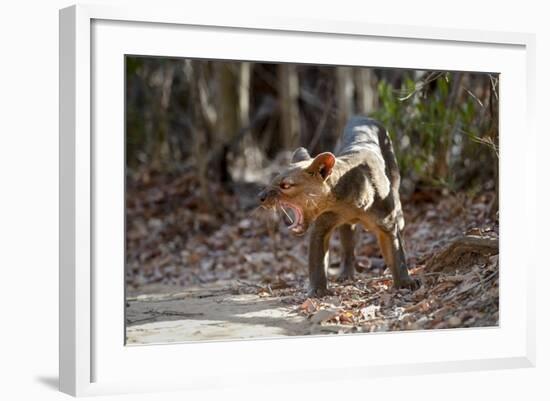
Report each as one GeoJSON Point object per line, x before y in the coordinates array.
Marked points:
{"type": "Point", "coordinates": [229, 120]}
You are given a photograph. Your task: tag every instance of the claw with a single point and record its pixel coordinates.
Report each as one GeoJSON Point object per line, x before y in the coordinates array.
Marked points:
{"type": "Point", "coordinates": [412, 283]}
{"type": "Point", "coordinates": [318, 292]}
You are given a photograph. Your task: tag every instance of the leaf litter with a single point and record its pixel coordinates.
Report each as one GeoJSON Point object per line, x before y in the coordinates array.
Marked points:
{"type": "Point", "coordinates": [173, 240]}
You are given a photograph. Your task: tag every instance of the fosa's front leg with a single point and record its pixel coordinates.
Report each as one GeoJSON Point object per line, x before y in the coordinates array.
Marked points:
{"type": "Point", "coordinates": [318, 254]}
{"type": "Point", "coordinates": [391, 245]}
{"type": "Point", "coordinates": [347, 268]}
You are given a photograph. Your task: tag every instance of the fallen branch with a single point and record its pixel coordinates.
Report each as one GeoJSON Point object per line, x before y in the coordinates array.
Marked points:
{"type": "Point", "coordinates": [462, 252]}
{"type": "Point", "coordinates": [155, 314]}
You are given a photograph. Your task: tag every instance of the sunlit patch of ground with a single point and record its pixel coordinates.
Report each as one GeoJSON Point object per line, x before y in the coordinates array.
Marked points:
{"type": "Point", "coordinates": [238, 274]}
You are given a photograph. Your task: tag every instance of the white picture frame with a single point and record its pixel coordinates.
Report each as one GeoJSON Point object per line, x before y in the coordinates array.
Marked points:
{"type": "Point", "coordinates": [93, 359]}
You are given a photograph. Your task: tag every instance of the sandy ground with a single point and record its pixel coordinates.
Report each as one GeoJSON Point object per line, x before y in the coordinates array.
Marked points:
{"type": "Point", "coordinates": [195, 276]}
{"type": "Point", "coordinates": [167, 314]}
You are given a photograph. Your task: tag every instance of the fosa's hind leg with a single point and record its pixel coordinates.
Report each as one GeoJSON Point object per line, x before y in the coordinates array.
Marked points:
{"type": "Point", "coordinates": [391, 246]}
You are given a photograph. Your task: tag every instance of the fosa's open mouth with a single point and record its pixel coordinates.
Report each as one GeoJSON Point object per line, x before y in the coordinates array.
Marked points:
{"type": "Point", "coordinates": [293, 217]}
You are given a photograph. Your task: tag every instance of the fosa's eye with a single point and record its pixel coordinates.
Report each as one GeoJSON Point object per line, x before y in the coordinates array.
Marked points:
{"type": "Point", "coordinates": [285, 185]}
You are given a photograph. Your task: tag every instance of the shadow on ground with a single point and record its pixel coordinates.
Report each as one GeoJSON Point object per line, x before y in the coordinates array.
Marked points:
{"type": "Point", "coordinates": [213, 313]}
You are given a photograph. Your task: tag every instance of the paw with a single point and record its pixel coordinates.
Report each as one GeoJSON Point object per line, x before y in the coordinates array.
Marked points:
{"type": "Point", "coordinates": [346, 276]}
{"type": "Point", "coordinates": [411, 283]}
{"type": "Point", "coordinates": [318, 292]}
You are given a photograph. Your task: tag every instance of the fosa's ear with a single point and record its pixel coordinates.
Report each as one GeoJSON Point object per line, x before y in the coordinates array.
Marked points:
{"type": "Point", "coordinates": [300, 155]}
{"type": "Point", "coordinates": [322, 164]}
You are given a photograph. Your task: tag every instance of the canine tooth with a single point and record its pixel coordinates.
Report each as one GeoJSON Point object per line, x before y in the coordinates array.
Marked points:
{"type": "Point", "coordinates": [290, 218]}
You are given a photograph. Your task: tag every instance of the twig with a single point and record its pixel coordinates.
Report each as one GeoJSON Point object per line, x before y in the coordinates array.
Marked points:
{"type": "Point", "coordinates": [433, 76]}
{"type": "Point", "coordinates": [371, 298]}
{"type": "Point", "coordinates": [156, 314]}
{"type": "Point", "coordinates": [381, 278]}
{"type": "Point", "coordinates": [484, 141]}
{"type": "Point", "coordinates": [298, 259]}
{"type": "Point", "coordinates": [250, 284]}
{"type": "Point", "coordinates": [494, 82]}
{"type": "Point", "coordinates": [320, 126]}
{"type": "Point", "coordinates": [445, 277]}
{"type": "Point", "coordinates": [489, 277]}
{"type": "Point", "coordinates": [469, 92]}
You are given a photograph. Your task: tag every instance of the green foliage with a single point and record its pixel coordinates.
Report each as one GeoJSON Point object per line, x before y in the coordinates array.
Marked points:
{"type": "Point", "coordinates": [444, 125]}
{"type": "Point", "coordinates": [426, 124]}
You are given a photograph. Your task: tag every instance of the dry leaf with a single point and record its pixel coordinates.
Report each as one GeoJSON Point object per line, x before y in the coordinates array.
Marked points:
{"type": "Point", "coordinates": [323, 315]}
{"type": "Point", "coordinates": [346, 317]}
{"type": "Point", "coordinates": [369, 312]}
{"type": "Point", "coordinates": [309, 306]}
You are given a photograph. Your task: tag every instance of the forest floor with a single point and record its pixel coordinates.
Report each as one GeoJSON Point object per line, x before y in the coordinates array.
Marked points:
{"type": "Point", "coordinates": [193, 274]}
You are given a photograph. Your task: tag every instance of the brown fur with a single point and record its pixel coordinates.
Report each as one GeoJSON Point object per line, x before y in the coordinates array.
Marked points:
{"type": "Point", "coordinates": [360, 185]}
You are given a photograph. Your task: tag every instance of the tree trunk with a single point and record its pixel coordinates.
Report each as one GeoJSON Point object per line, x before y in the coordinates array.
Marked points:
{"type": "Point", "coordinates": [365, 84]}
{"type": "Point", "coordinates": [200, 134]}
{"type": "Point", "coordinates": [443, 154]}
{"type": "Point", "coordinates": [227, 125]}
{"type": "Point", "coordinates": [493, 134]}
{"type": "Point", "coordinates": [344, 98]}
{"type": "Point", "coordinates": [244, 94]}
{"type": "Point", "coordinates": [289, 91]}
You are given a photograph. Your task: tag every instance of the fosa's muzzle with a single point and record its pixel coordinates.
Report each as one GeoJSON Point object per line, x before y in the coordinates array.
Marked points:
{"type": "Point", "coordinates": [267, 195]}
